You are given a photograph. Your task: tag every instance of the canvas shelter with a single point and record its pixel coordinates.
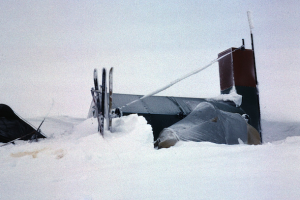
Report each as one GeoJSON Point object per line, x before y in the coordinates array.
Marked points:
{"type": "Point", "coordinates": [208, 123]}
{"type": "Point", "coordinates": [164, 111]}
{"type": "Point", "coordinates": [13, 127]}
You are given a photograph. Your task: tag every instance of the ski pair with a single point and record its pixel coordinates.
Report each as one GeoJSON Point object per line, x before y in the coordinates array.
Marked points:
{"type": "Point", "coordinates": [100, 100]}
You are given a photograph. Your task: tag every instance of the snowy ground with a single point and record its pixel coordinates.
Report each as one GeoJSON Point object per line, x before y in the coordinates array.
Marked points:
{"type": "Point", "coordinates": [49, 51]}
{"type": "Point", "coordinates": [75, 162]}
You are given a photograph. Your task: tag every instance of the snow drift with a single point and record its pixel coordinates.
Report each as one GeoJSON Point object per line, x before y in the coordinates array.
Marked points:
{"type": "Point", "coordinates": [75, 162]}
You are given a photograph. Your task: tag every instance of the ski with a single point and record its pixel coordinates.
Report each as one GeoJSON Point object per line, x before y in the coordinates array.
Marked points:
{"type": "Point", "coordinates": [96, 99]}
{"type": "Point", "coordinates": [103, 102]}
{"type": "Point", "coordinates": [110, 98]}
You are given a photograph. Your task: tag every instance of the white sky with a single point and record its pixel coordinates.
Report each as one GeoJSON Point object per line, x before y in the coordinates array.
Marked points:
{"type": "Point", "coordinates": [50, 48]}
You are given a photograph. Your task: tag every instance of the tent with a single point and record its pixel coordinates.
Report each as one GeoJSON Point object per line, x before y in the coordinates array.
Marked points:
{"type": "Point", "coordinates": [208, 123]}
{"type": "Point", "coordinates": [13, 127]}
{"type": "Point", "coordinates": [164, 111]}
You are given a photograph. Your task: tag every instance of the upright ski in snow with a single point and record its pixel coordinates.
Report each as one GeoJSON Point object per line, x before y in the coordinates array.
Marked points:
{"type": "Point", "coordinates": [96, 99]}
{"type": "Point", "coordinates": [110, 98]}
{"type": "Point", "coordinates": [103, 101]}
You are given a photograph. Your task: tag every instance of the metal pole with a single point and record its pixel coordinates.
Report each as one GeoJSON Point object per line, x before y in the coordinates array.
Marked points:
{"type": "Point", "coordinates": [254, 63]}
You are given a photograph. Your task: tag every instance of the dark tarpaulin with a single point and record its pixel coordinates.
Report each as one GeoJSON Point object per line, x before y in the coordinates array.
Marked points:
{"type": "Point", "coordinates": [163, 111]}
{"type": "Point", "coordinates": [13, 127]}
{"type": "Point", "coordinates": [208, 123]}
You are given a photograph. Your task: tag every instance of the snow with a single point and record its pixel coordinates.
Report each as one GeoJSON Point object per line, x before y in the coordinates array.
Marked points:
{"type": "Point", "coordinates": [75, 162]}
{"type": "Point", "coordinates": [232, 96]}
{"type": "Point", "coordinates": [249, 14]}
{"type": "Point", "coordinates": [48, 55]}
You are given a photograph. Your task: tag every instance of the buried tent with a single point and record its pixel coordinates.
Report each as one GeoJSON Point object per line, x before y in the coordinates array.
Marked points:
{"type": "Point", "coordinates": [208, 123]}
{"type": "Point", "coordinates": [13, 127]}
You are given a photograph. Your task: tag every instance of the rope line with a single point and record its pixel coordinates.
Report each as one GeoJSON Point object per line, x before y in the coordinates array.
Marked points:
{"type": "Point", "coordinates": [179, 79]}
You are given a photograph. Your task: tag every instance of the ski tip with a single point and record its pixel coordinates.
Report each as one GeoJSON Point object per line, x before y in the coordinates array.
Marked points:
{"type": "Point", "coordinates": [104, 72]}
{"type": "Point", "coordinates": [95, 73]}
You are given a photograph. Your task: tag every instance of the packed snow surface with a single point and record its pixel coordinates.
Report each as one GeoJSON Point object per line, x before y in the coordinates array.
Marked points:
{"type": "Point", "coordinates": [75, 162]}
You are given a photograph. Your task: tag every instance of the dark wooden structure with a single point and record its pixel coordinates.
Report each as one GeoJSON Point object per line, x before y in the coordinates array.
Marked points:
{"type": "Point", "coordinates": [237, 69]}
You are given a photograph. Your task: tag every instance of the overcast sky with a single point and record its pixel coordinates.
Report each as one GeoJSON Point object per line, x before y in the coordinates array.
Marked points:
{"type": "Point", "coordinates": [50, 48]}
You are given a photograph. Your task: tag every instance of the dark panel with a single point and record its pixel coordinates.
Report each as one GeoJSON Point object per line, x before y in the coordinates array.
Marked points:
{"type": "Point", "coordinates": [225, 70]}
{"type": "Point", "coordinates": [236, 69]}
{"type": "Point", "coordinates": [242, 75]}
{"type": "Point", "coordinates": [155, 104]}
{"type": "Point", "coordinates": [120, 100]}
{"type": "Point", "coordinates": [243, 67]}
{"type": "Point", "coordinates": [249, 104]}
